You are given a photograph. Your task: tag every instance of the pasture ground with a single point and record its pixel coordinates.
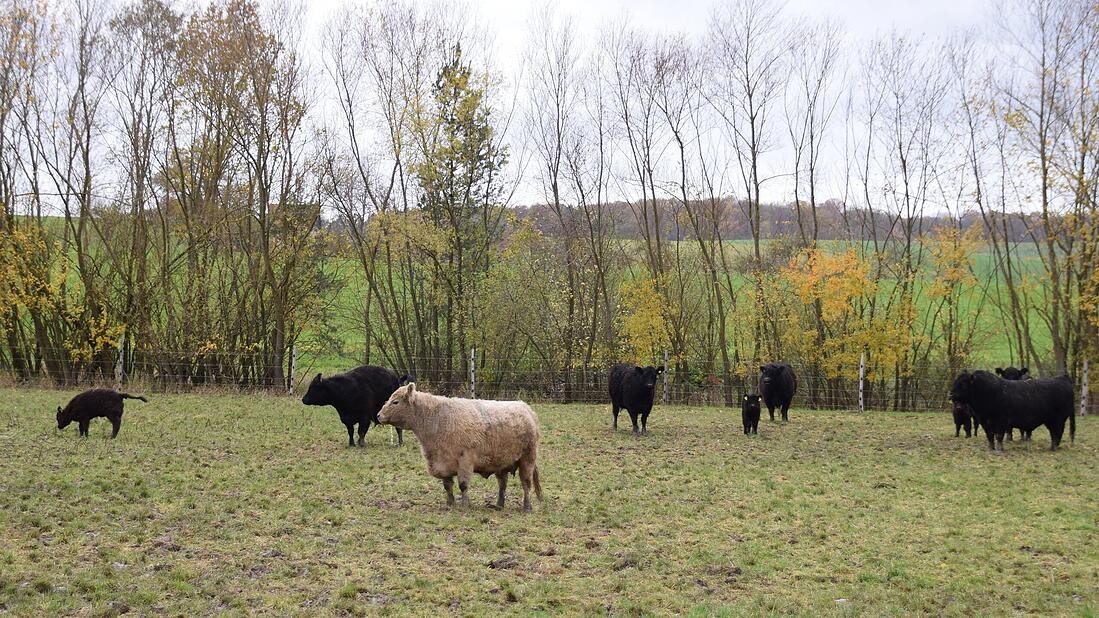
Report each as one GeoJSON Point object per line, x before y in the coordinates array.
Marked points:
{"type": "Point", "coordinates": [253, 504]}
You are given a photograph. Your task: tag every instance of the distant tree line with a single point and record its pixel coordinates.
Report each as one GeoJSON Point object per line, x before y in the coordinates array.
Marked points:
{"type": "Point", "coordinates": [184, 188]}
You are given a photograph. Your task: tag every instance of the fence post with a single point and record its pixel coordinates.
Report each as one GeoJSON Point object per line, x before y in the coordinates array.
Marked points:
{"type": "Point", "coordinates": [473, 373]}
{"type": "Point", "coordinates": [862, 380]}
{"type": "Point", "coordinates": [293, 367]}
{"type": "Point", "coordinates": [1084, 390]}
{"type": "Point", "coordinates": [665, 400]}
{"type": "Point", "coordinates": [120, 364]}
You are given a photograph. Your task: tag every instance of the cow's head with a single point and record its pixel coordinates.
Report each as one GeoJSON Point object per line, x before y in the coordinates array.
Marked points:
{"type": "Point", "coordinates": [770, 373]}
{"type": "Point", "coordinates": [648, 375]}
{"type": "Point", "coordinates": [401, 407]}
{"type": "Point", "coordinates": [319, 392]}
{"type": "Point", "coordinates": [971, 386]}
{"type": "Point", "coordinates": [750, 402]}
{"type": "Point", "coordinates": [63, 419]}
{"type": "Point", "coordinates": [1011, 373]}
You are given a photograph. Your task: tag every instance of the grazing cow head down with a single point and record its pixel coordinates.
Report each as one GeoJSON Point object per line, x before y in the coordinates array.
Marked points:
{"type": "Point", "coordinates": [1012, 373]}
{"type": "Point", "coordinates": [770, 373]}
{"type": "Point", "coordinates": [318, 393]}
{"type": "Point", "coordinates": [62, 420]}
{"type": "Point", "coordinates": [648, 375]}
{"type": "Point", "coordinates": [398, 411]}
{"type": "Point", "coordinates": [970, 387]}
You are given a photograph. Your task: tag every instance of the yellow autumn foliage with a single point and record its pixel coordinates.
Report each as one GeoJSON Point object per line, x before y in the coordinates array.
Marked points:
{"type": "Point", "coordinates": [642, 322]}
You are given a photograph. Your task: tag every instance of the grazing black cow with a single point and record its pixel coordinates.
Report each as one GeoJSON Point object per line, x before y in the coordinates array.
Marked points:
{"type": "Point", "coordinates": [1012, 373]}
{"type": "Point", "coordinates": [632, 387]}
{"type": "Point", "coordinates": [963, 417]}
{"type": "Point", "coordinates": [357, 395]}
{"type": "Point", "coordinates": [749, 414]}
{"type": "Point", "coordinates": [97, 402]}
{"type": "Point", "coordinates": [777, 385]}
{"type": "Point", "coordinates": [999, 404]}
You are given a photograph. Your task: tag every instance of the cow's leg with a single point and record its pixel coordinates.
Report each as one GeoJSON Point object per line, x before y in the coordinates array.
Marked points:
{"type": "Point", "coordinates": [633, 420]}
{"type": "Point", "coordinates": [448, 485]}
{"type": "Point", "coordinates": [1010, 435]}
{"type": "Point", "coordinates": [771, 412]}
{"type": "Point", "coordinates": [644, 422]}
{"type": "Point", "coordinates": [991, 438]}
{"type": "Point", "coordinates": [526, 476]}
{"type": "Point", "coordinates": [968, 424]}
{"type": "Point", "coordinates": [350, 434]}
{"type": "Point", "coordinates": [465, 473]}
{"type": "Point", "coordinates": [84, 428]}
{"type": "Point", "coordinates": [502, 481]}
{"type": "Point", "coordinates": [1056, 432]}
{"type": "Point", "coordinates": [400, 437]}
{"type": "Point", "coordinates": [958, 429]}
{"type": "Point", "coordinates": [785, 409]}
{"type": "Point", "coordinates": [1000, 441]}
{"type": "Point", "coordinates": [116, 424]}
{"type": "Point", "coordinates": [614, 413]}
{"type": "Point", "coordinates": [364, 426]}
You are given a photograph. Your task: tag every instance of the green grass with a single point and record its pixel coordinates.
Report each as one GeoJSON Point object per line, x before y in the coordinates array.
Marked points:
{"type": "Point", "coordinates": [252, 504]}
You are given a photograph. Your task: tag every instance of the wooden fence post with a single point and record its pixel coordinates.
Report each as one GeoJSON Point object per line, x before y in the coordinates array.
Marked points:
{"type": "Point", "coordinates": [665, 400]}
{"type": "Point", "coordinates": [1084, 390]}
{"type": "Point", "coordinates": [473, 373]}
{"type": "Point", "coordinates": [862, 381]}
{"type": "Point", "coordinates": [293, 367]}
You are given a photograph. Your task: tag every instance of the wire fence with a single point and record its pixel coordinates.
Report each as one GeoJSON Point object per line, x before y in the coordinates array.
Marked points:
{"type": "Point", "coordinates": [682, 383]}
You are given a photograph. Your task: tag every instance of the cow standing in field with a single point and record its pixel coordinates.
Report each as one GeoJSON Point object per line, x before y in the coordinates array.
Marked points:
{"type": "Point", "coordinates": [357, 395]}
{"type": "Point", "coordinates": [1012, 373]}
{"type": "Point", "coordinates": [633, 388]}
{"type": "Point", "coordinates": [749, 414]}
{"type": "Point", "coordinates": [94, 403]}
{"type": "Point", "coordinates": [1000, 404]}
{"type": "Point", "coordinates": [963, 417]}
{"type": "Point", "coordinates": [777, 385]}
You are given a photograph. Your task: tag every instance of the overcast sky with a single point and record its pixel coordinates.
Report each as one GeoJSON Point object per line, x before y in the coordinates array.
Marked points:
{"type": "Point", "coordinates": [863, 19]}
{"type": "Point", "coordinates": [507, 23]}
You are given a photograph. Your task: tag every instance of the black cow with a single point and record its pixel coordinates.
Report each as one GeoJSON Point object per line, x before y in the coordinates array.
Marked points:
{"type": "Point", "coordinates": [357, 395]}
{"type": "Point", "coordinates": [97, 402]}
{"type": "Point", "coordinates": [632, 387]}
{"type": "Point", "coordinates": [749, 414]}
{"type": "Point", "coordinates": [777, 385]}
{"type": "Point", "coordinates": [1012, 373]}
{"type": "Point", "coordinates": [963, 417]}
{"type": "Point", "coordinates": [999, 404]}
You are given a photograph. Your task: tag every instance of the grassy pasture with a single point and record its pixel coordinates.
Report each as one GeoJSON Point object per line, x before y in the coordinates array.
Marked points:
{"type": "Point", "coordinates": [252, 504]}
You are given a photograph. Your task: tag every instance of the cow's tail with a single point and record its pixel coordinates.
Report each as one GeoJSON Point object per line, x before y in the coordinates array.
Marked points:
{"type": "Point", "coordinates": [537, 485]}
{"type": "Point", "coordinates": [129, 396]}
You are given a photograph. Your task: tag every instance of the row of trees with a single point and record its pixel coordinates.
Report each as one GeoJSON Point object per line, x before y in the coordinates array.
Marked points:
{"type": "Point", "coordinates": [188, 186]}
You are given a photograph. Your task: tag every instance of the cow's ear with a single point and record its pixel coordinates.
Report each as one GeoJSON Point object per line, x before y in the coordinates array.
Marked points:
{"type": "Point", "coordinates": [317, 378]}
{"type": "Point", "coordinates": [999, 371]}
{"type": "Point", "coordinates": [745, 398]}
{"type": "Point", "coordinates": [762, 368]}
{"type": "Point", "coordinates": [1024, 371]}
{"type": "Point", "coordinates": [638, 369]}
{"type": "Point", "coordinates": [659, 370]}
{"type": "Point", "coordinates": [410, 388]}
{"type": "Point", "coordinates": [59, 409]}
